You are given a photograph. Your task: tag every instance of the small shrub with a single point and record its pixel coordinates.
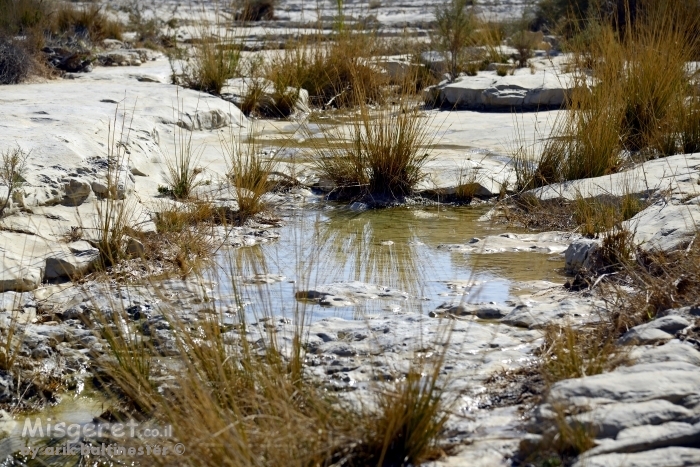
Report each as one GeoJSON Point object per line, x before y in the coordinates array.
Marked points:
{"type": "Point", "coordinates": [525, 42]}
{"type": "Point", "coordinates": [16, 62]}
{"type": "Point", "coordinates": [256, 10]}
{"type": "Point", "coordinates": [12, 171]}
{"type": "Point", "coordinates": [455, 27]}
{"type": "Point", "coordinates": [502, 70]}
{"type": "Point", "coordinates": [88, 22]}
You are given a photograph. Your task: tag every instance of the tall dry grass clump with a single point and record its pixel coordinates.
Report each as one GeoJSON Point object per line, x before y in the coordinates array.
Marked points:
{"type": "Point", "coordinates": [215, 58]}
{"type": "Point", "coordinates": [456, 24]}
{"type": "Point", "coordinates": [625, 98]}
{"type": "Point", "coordinates": [114, 212]}
{"type": "Point", "coordinates": [331, 71]}
{"type": "Point", "coordinates": [249, 171]}
{"type": "Point", "coordinates": [380, 156]}
{"type": "Point", "coordinates": [184, 174]}
{"type": "Point", "coordinates": [236, 402]}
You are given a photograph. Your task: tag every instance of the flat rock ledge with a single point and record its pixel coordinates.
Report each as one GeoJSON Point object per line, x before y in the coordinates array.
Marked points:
{"type": "Point", "coordinates": [543, 89]}
{"type": "Point", "coordinates": [643, 415]}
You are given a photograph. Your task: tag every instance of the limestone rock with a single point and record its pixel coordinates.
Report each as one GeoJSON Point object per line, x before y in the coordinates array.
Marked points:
{"type": "Point", "coordinates": [488, 91]}
{"type": "Point", "coordinates": [665, 227]}
{"type": "Point", "coordinates": [18, 277]}
{"type": "Point", "coordinates": [76, 192]}
{"type": "Point", "coordinates": [664, 457]}
{"type": "Point", "coordinates": [579, 255]}
{"type": "Point", "coordinates": [609, 420]}
{"type": "Point", "coordinates": [671, 381]}
{"type": "Point", "coordinates": [204, 120]}
{"type": "Point", "coordinates": [66, 264]}
{"type": "Point", "coordinates": [659, 330]}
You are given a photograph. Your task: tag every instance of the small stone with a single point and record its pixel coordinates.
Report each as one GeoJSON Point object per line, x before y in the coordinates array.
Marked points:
{"type": "Point", "coordinates": [135, 248]}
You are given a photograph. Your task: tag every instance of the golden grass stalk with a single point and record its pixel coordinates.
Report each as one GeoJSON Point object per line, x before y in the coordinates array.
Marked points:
{"type": "Point", "coordinates": [239, 403]}
{"type": "Point", "coordinates": [331, 71]}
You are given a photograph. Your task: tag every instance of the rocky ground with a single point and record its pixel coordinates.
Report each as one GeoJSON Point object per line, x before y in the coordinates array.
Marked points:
{"type": "Point", "coordinates": [646, 413]}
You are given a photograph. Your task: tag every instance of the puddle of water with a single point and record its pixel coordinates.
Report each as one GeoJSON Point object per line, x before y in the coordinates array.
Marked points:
{"type": "Point", "coordinates": [395, 248]}
{"type": "Point", "coordinates": [74, 408]}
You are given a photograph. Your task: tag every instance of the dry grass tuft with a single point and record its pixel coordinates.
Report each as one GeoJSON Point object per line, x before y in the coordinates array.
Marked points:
{"type": "Point", "coordinates": [114, 221]}
{"type": "Point", "coordinates": [249, 172]}
{"type": "Point", "coordinates": [570, 352]}
{"type": "Point", "coordinates": [184, 173]}
{"type": "Point", "coordinates": [408, 421]}
{"type": "Point", "coordinates": [335, 74]}
{"type": "Point", "coordinates": [384, 156]}
{"type": "Point", "coordinates": [660, 281]}
{"type": "Point", "coordinates": [214, 59]}
{"type": "Point", "coordinates": [628, 102]}
{"type": "Point", "coordinates": [243, 404]}
{"type": "Point", "coordinates": [89, 22]}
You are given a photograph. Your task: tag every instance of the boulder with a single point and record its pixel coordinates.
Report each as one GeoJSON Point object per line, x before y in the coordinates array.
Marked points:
{"type": "Point", "coordinates": [76, 192]}
{"type": "Point", "coordinates": [67, 264]}
{"type": "Point", "coordinates": [204, 120]}
{"type": "Point", "coordinates": [659, 330]}
{"type": "Point", "coordinates": [580, 255]}
{"type": "Point", "coordinates": [18, 277]}
{"type": "Point", "coordinates": [488, 91]}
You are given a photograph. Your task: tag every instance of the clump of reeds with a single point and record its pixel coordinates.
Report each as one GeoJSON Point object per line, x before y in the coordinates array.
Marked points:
{"type": "Point", "coordinates": [236, 402]}
{"type": "Point", "coordinates": [184, 174]}
{"type": "Point", "coordinates": [249, 171]}
{"type": "Point", "coordinates": [331, 71]}
{"type": "Point", "coordinates": [625, 94]}
{"type": "Point", "coordinates": [214, 59]}
{"type": "Point", "coordinates": [382, 157]}
{"type": "Point", "coordinates": [114, 215]}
